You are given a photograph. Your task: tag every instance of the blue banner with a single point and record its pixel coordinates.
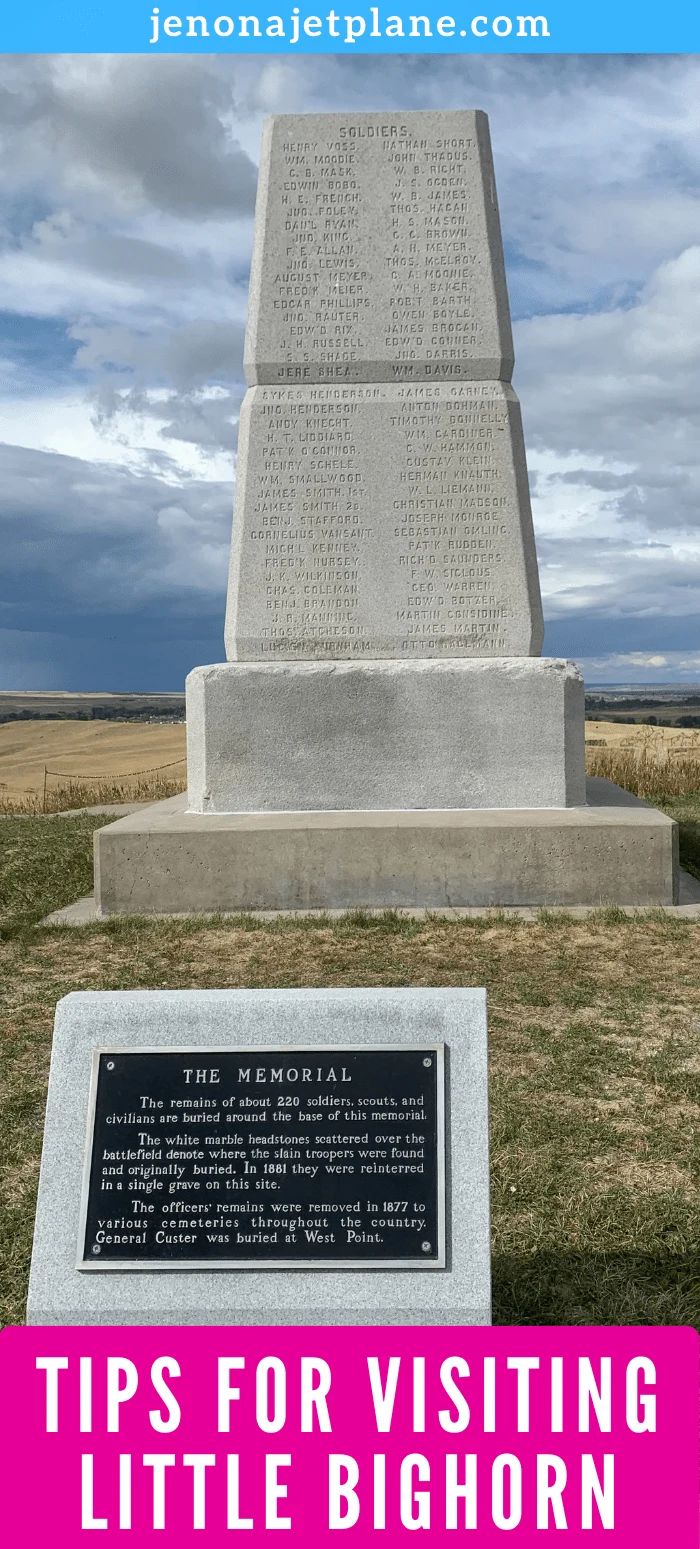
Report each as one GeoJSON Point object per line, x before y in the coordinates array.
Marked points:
{"type": "Point", "coordinates": [276, 27]}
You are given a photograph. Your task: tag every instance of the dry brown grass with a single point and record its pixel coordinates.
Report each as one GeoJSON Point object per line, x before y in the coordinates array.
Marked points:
{"type": "Point", "coordinates": [627, 734]}
{"type": "Point", "coordinates": [78, 794]}
{"type": "Point", "coordinates": [595, 1099]}
{"type": "Point", "coordinates": [98, 753]}
{"type": "Point", "coordinates": [645, 773]}
{"type": "Point", "coordinates": [649, 761]}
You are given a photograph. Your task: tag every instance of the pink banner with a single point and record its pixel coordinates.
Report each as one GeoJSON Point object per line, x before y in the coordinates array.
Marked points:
{"type": "Point", "coordinates": [376, 1433]}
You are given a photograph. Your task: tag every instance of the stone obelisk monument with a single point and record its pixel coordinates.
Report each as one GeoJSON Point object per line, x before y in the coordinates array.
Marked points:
{"type": "Point", "coordinates": [385, 731]}
{"type": "Point", "coordinates": [384, 622]}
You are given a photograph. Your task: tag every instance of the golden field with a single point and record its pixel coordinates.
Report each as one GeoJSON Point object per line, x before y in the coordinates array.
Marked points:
{"type": "Point", "coordinates": [653, 762]}
{"type": "Point", "coordinates": [117, 761]}
{"type": "Point", "coordinates": [100, 753]}
{"type": "Point", "coordinates": [660, 740]}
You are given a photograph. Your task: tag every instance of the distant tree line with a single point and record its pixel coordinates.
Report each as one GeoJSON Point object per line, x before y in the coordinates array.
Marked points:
{"type": "Point", "coordinates": [99, 713]}
{"type": "Point", "coordinates": [605, 702]}
{"type": "Point", "coordinates": [688, 722]}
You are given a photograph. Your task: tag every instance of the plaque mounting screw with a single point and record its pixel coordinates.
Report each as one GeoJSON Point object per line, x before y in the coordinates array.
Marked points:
{"type": "Point", "coordinates": [97, 1249]}
{"type": "Point", "coordinates": [110, 1064]}
{"type": "Point", "coordinates": [425, 1246]}
{"type": "Point", "coordinates": [427, 1063]}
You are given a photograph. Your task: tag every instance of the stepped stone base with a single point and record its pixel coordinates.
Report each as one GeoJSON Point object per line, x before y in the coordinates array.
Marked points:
{"type": "Point", "coordinates": [166, 860]}
{"type": "Point", "coordinates": [381, 736]}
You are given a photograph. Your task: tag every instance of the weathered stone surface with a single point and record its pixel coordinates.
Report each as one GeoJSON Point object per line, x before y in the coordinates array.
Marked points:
{"type": "Point", "coordinates": [385, 735]}
{"type": "Point", "coordinates": [170, 861]}
{"type": "Point", "coordinates": [60, 1294]}
{"type": "Point", "coordinates": [378, 253]}
{"type": "Point", "coordinates": [381, 520]}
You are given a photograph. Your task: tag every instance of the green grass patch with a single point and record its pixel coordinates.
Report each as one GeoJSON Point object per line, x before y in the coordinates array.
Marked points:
{"type": "Point", "coordinates": [686, 811]}
{"type": "Point", "coordinates": [45, 863]}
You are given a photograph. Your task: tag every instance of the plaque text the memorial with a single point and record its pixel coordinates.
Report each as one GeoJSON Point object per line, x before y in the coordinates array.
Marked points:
{"type": "Point", "coordinates": [265, 1158]}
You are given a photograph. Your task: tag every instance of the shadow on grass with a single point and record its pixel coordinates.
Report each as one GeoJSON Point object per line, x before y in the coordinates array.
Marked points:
{"type": "Point", "coordinates": [686, 811]}
{"type": "Point", "coordinates": [689, 846]}
{"type": "Point", "coordinates": [594, 1288]}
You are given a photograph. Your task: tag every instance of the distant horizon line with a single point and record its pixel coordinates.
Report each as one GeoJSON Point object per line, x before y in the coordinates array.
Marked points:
{"type": "Point", "coordinates": [157, 693]}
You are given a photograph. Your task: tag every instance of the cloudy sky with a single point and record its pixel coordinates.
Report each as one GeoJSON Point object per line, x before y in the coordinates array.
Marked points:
{"type": "Point", "coordinates": [128, 189]}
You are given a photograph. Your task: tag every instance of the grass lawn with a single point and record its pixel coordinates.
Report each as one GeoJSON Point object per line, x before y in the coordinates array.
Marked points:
{"type": "Point", "coordinates": [686, 811]}
{"type": "Point", "coordinates": [595, 1065]}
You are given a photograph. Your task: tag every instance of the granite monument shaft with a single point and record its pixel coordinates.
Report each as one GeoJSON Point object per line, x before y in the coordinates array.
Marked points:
{"type": "Point", "coordinates": [382, 506]}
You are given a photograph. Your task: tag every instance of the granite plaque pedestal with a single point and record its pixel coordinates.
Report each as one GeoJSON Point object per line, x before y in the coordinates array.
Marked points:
{"type": "Point", "coordinates": [265, 1156]}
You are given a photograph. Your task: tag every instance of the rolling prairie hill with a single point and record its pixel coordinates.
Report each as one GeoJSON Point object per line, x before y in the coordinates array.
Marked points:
{"type": "Point", "coordinates": [82, 748]}
{"type": "Point", "coordinates": [106, 750]}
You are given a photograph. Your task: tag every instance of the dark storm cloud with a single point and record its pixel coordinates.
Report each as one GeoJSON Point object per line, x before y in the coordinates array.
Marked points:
{"type": "Point", "coordinates": [125, 231]}
{"type": "Point", "coordinates": [81, 541]}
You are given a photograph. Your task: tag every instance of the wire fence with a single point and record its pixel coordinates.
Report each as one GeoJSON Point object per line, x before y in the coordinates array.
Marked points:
{"type": "Point", "coordinates": [126, 774]}
{"type": "Point", "coordinates": [107, 786]}
{"type": "Point", "coordinates": [645, 774]}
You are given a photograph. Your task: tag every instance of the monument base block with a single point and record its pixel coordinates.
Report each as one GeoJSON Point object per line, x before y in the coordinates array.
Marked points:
{"type": "Point", "coordinates": [166, 860]}
{"type": "Point", "coordinates": [382, 735]}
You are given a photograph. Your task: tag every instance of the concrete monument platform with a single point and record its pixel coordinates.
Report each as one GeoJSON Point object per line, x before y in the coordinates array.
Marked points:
{"type": "Point", "coordinates": [171, 861]}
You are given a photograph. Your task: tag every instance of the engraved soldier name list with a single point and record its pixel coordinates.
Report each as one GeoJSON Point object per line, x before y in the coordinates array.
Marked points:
{"type": "Point", "coordinates": [259, 1156]}
{"type": "Point", "coordinates": [382, 505]}
{"type": "Point", "coordinates": [380, 521]}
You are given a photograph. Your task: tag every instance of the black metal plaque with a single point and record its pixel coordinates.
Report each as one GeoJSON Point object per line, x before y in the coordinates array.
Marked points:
{"type": "Point", "coordinates": [265, 1158]}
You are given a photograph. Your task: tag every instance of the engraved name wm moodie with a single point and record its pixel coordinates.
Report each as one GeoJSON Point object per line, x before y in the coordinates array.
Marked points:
{"type": "Point", "coordinates": [380, 520]}
{"type": "Point", "coordinates": [380, 233]}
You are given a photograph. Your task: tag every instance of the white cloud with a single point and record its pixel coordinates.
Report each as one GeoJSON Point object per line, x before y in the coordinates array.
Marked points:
{"type": "Point", "coordinates": [612, 406]}
{"type": "Point", "coordinates": [126, 229]}
{"type": "Point", "coordinates": [147, 440]}
{"type": "Point", "coordinates": [128, 131]}
{"type": "Point", "coordinates": [631, 667]}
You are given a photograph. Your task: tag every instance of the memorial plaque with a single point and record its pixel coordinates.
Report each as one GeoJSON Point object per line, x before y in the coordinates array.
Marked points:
{"type": "Point", "coordinates": [378, 252]}
{"type": "Point", "coordinates": [314, 1121]}
{"type": "Point", "coordinates": [320, 1157]}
